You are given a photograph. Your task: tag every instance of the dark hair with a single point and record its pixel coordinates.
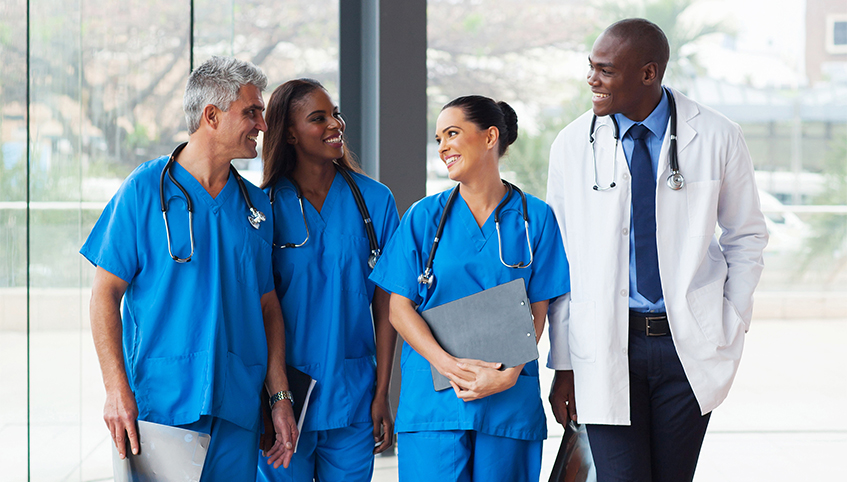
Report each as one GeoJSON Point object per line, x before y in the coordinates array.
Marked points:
{"type": "Point", "coordinates": [484, 112]}
{"type": "Point", "coordinates": [278, 155]}
{"type": "Point", "coordinates": [647, 40]}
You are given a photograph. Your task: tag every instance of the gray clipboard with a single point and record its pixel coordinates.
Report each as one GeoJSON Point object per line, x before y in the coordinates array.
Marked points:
{"type": "Point", "coordinates": [494, 325]}
{"type": "Point", "coordinates": [167, 453]}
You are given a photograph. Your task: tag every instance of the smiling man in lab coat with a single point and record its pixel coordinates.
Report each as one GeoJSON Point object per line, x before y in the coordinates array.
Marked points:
{"type": "Point", "coordinates": [650, 338]}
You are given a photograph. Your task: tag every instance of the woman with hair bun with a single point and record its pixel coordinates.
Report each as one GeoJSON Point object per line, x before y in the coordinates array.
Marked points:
{"type": "Point", "coordinates": [490, 426]}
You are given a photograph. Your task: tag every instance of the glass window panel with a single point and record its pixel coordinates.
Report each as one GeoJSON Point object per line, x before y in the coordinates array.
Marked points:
{"type": "Point", "coordinates": [13, 235]}
{"type": "Point", "coordinates": [292, 39]}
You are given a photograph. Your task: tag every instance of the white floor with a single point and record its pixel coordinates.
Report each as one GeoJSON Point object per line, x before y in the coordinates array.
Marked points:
{"type": "Point", "coordinates": [785, 418]}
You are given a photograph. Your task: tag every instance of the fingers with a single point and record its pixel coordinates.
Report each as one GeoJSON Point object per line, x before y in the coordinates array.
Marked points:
{"type": "Point", "coordinates": [120, 417]}
{"type": "Point", "coordinates": [469, 363]}
{"type": "Point", "coordinates": [135, 446]}
{"type": "Point", "coordinates": [562, 397]}
{"type": "Point", "coordinates": [386, 440]}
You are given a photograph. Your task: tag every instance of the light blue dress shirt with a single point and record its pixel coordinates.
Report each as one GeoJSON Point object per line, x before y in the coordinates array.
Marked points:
{"type": "Point", "coordinates": [657, 123]}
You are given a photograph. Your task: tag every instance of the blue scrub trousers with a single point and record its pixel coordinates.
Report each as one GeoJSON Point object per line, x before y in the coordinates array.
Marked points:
{"type": "Point", "coordinates": [341, 454]}
{"type": "Point", "coordinates": [231, 448]}
{"type": "Point", "coordinates": [663, 442]}
{"type": "Point", "coordinates": [466, 456]}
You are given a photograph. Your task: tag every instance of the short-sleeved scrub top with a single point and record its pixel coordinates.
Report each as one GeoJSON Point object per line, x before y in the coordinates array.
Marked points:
{"type": "Point", "coordinates": [468, 261]}
{"type": "Point", "coordinates": [325, 295]}
{"type": "Point", "coordinates": [193, 334]}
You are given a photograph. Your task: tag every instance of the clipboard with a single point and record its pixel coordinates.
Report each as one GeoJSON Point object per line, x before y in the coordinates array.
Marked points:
{"type": "Point", "coordinates": [167, 453]}
{"type": "Point", "coordinates": [494, 325]}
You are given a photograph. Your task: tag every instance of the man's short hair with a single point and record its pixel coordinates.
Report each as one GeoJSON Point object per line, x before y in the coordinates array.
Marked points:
{"type": "Point", "coordinates": [217, 82]}
{"type": "Point", "coordinates": [646, 39]}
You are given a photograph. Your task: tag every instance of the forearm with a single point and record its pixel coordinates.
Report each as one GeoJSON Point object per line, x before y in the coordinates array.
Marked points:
{"type": "Point", "coordinates": [539, 316]}
{"type": "Point", "coordinates": [414, 330]}
{"type": "Point", "coordinates": [386, 339]}
{"type": "Point", "coordinates": [275, 380]}
{"type": "Point", "coordinates": [106, 329]}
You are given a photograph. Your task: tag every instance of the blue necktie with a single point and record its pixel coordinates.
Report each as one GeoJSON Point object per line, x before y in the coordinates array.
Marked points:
{"type": "Point", "coordinates": [644, 216]}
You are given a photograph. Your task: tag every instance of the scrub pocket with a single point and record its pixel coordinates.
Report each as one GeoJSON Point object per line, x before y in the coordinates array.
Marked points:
{"type": "Point", "coordinates": [173, 390]}
{"type": "Point", "coordinates": [240, 401]}
{"type": "Point", "coordinates": [254, 263]}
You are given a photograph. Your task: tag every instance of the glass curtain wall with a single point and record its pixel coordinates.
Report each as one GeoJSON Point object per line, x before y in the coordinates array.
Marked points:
{"type": "Point", "coordinates": [88, 91]}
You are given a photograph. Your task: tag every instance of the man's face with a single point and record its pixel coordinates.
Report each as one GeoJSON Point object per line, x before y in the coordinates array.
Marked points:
{"type": "Point", "coordinates": [241, 124]}
{"type": "Point", "coordinates": [616, 76]}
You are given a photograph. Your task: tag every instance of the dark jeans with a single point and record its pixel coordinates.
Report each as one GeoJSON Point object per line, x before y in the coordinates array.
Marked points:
{"type": "Point", "coordinates": [663, 442]}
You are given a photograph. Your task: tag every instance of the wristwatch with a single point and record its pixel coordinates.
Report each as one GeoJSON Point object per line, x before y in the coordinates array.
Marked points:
{"type": "Point", "coordinates": [283, 395]}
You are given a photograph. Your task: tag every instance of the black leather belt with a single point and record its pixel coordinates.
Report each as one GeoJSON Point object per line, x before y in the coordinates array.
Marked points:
{"type": "Point", "coordinates": [652, 324]}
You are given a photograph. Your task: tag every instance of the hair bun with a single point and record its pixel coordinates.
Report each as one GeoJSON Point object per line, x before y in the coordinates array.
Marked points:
{"type": "Point", "coordinates": [511, 119]}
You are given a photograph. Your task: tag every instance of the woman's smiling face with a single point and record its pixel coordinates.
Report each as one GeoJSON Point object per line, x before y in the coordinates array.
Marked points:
{"type": "Point", "coordinates": [462, 145]}
{"type": "Point", "coordinates": [317, 129]}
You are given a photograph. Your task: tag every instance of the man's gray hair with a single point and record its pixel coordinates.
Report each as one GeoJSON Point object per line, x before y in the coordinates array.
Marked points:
{"type": "Point", "coordinates": [217, 82]}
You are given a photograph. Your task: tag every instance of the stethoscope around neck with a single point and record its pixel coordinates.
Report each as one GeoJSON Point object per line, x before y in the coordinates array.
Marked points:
{"type": "Point", "coordinates": [255, 218]}
{"type": "Point", "coordinates": [373, 243]}
{"type": "Point", "coordinates": [675, 180]}
{"type": "Point", "coordinates": [427, 277]}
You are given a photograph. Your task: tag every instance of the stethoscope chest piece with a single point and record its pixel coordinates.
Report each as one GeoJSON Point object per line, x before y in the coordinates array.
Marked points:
{"type": "Point", "coordinates": [256, 217]}
{"type": "Point", "coordinates": [676, 181]}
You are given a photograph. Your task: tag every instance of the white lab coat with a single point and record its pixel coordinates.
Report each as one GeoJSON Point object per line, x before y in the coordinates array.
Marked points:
{"type": "Point", "coordinates": [707, 283]}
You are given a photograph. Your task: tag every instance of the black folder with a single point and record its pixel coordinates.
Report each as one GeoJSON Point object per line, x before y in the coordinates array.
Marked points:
{"type": "Point", "coordinates": [494, 325]}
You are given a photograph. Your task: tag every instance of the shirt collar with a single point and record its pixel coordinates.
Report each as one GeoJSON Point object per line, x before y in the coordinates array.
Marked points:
{"type": "Point", "coordinates": [657, 121]}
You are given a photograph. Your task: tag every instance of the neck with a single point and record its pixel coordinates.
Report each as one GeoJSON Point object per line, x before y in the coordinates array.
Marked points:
{"type": "Point", "coordinates": [483, 195]}
{"type": "Point", "coordinates": [315, 180]}
{"type": "Point", "coordinates": [212, 172]}
{"type": "Point", "coordinates": [650, 103]}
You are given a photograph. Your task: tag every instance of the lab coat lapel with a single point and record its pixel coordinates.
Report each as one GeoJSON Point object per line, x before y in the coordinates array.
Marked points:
{"type": "Point", "coordinates": [686, 110]}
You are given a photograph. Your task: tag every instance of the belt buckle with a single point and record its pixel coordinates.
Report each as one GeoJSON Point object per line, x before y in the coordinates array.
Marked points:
{"type": "Point", "coordinates": [647, 320]}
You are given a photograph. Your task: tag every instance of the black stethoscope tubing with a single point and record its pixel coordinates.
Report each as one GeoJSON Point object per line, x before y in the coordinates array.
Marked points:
{"type": "Point", "coordinates": [675, 181]}
{"type": "Point", "coordinates": [255, 217]}
{"type": "Point", "coordinates": [427, 277]}
{"type": "Point", "coordinates": [373, 243]}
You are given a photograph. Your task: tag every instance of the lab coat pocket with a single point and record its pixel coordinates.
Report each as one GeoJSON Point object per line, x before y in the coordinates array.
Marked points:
{"type": "Point", "coordinates": [254, 268]}
{"type": "Point", "coordinates": [702, 197]}
{"type": "Point", "coordinates": [582, 328]}
{"type": "Point", "coordinates": [716, 316]}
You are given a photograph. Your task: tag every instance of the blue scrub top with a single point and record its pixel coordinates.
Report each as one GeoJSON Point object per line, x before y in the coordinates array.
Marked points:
{"type": "Point", "coordinates": [325, 295]}
{"type": "Point", "coordinates": [193, 334]}
{"type": "Point", "coordinates": [468, 261]}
